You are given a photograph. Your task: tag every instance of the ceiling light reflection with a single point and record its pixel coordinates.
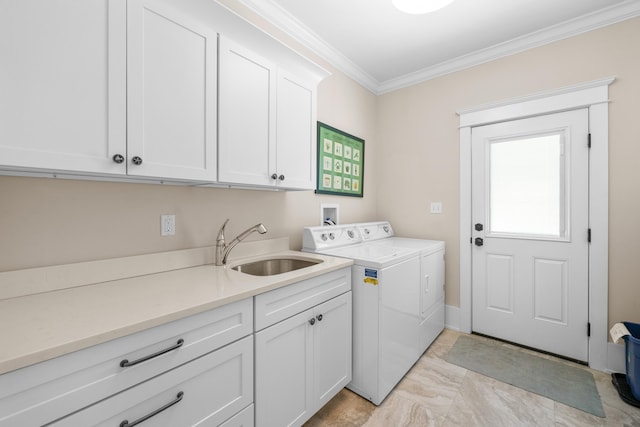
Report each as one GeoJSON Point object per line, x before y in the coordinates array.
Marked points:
{"type": "Point", "coordinates": [417, 7]}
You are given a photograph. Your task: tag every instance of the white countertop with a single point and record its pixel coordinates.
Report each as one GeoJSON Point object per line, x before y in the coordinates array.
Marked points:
{"type": "Point", "coordinates": [41, 326]}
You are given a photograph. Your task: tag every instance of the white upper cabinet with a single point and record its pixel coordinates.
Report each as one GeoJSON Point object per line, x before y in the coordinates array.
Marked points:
{"type": "Point", "coordinates": [247, 127]}
{"type": "Point", "coordinates": [128, 90]}
{"type": "Point", "coordinates": [295, 132]}
{"type": "Point", "coordinates": [172, 76]}
{"type": "Point", "coordinates": [267, 122]}
{"type": "Point", "coordinates": [63, 85]}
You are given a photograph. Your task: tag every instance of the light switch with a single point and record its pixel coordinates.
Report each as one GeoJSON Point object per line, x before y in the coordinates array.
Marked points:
{"type": "Point", "coordinates": [436, 207]}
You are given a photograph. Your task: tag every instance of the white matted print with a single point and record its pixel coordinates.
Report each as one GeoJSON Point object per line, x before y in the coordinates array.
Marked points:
{"type": "Point", "coordinates": [328, 146]}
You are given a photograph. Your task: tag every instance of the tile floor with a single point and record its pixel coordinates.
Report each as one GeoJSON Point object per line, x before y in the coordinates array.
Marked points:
{"type": "Point", "coordinates": [437, 393]}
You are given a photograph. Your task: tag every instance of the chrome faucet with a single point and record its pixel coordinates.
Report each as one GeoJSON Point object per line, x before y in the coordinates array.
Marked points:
{"type": "Point", "coordinates": [222, 249]}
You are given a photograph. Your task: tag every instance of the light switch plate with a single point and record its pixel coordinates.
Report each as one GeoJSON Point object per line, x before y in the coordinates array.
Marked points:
{"type": "Point", "coordinates": [436, 207]}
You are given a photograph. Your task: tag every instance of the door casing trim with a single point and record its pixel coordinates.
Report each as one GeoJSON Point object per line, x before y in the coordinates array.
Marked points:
{"type": "Point", "coordinates": [593, 95]}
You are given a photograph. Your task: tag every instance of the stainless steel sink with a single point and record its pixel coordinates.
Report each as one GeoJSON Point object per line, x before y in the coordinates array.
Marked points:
{"type": "Point", "coordinates": [273, 266]}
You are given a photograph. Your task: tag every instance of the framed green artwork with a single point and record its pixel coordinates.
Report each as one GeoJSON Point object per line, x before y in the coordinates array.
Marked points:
{"type": "Point", "coordinates": [340, 162]}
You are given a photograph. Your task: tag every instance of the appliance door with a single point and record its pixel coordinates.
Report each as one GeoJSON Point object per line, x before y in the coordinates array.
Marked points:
{"type": "Point", "coordinates": [400, 318]}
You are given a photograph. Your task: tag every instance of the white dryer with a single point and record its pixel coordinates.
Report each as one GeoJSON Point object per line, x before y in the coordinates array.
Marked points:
{"type": "Point", "coordinates": [397, 311]}
{"type": "Point", "coordinates": [432, 278]}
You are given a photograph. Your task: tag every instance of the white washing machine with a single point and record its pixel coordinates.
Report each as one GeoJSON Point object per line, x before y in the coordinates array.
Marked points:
{"type": "Point", "coordinates": [398, 299]}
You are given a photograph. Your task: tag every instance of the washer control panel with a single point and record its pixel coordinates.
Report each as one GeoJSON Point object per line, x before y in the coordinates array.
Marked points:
{"type": "Point", "coordinates": [330, 236]}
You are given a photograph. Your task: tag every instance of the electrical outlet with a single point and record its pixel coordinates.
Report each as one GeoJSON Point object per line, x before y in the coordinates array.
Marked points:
{"type": "Point", "coordinates": [436, 207]}
{"type": "Point", "coordinates": [167, 225]}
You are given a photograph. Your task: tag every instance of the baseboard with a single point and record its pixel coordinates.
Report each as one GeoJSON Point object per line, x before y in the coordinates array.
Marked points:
{"type": "Point", "coordinates": [615, 358]}
{"type": "Point", "coordinates": [452, 317]}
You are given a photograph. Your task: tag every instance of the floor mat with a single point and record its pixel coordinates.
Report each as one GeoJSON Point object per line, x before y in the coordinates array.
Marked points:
{"type": "Point", "coordinates": [558, 381]}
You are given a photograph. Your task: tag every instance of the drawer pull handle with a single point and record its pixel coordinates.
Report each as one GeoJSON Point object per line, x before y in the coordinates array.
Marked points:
{"type": "Point", "coordinates": [125, 362]}
{"type": "Point", "coordinates": [178, 398]}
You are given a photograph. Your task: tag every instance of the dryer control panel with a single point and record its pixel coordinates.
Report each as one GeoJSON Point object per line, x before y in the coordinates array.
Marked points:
{"type": "Point", "coordinates": [335, 236]}
{"type": "Point", "coordinates": [375, 230]}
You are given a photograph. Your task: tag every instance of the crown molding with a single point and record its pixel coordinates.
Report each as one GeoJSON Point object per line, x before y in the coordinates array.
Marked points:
{"type": "Point", "coordinates": [294, 28]}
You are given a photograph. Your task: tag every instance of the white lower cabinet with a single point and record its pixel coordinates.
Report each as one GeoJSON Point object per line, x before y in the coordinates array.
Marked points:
{"type": "Point", "coordinates": [204, 392]}
{"type": "Point", "coordinates": [272, 360]}
{"type": "Point", "coordinates": [171, 355]}
{"type": "Point", "coordinates": [304, 360]}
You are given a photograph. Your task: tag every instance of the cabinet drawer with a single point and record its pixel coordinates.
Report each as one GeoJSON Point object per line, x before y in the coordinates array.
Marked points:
{"type": "Point", "coordinates": [279, 304]}
{"type": "Point", "coordinates": [242, 419]}
{"type": "Point", "coordinates": [204, 392]}
{"type": "Point", "coordinates": [49, 390]}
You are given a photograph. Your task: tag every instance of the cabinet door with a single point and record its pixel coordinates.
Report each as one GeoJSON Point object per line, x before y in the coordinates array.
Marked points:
{"type": "Point", "coordinates": [172, 75]}
{"type": "Point", "coordinates": [246, 145]}
{"type": "Point", "coordinates": [332, 347]}
{"type": "Point", "coordinates": [284, 393]}
{"type": "Point", "coordinates": [296, 136]}
{"type": "Point", "coordinates": [63, 84]}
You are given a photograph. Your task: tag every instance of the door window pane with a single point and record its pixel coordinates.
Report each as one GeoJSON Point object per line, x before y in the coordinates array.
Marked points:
{"type": "Point", "coordinates": [526, 188]}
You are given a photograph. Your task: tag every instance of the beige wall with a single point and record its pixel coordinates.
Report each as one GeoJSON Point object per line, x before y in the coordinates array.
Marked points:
{"type": "Point", "coordinates": [54, 221]}
{"type": "Point", "coordinates": [418, 145]}
{"type": "Point", "coordinates": [411, 159]}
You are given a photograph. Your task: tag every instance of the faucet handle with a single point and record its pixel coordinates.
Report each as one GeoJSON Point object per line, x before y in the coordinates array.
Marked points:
{"type": "Point", "coordinates": [220, 237]}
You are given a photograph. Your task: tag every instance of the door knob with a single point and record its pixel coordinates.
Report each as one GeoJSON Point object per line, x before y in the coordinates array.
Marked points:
{"type": "Point", "coordinates": [479, 241]}
{"type": "Point", "coordinates": [136, 160]}
{"type": "Point", "coordinates": [479, 227]}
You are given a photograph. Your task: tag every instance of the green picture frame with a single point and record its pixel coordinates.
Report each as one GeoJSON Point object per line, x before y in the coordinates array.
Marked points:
{"type": "Point", "coordinates": [340, 162]}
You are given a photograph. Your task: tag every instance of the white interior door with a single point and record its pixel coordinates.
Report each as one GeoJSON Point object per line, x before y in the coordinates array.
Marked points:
{"type": "Point", "coordinates": [530, 217]}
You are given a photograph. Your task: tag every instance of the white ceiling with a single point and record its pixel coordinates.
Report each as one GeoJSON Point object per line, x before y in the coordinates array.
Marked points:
{"type": "Point", "coordinates": [385, 49]}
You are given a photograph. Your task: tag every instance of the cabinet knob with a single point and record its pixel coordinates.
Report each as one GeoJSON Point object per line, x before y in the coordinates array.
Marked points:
{"type": "Point", "coordinates": [136, 160]}
{"type": "Point", "coordinates": [319, 317]}
{"type": "Point", "coordinates": [312, 321]}
{"type": "Point", "coordinates": [118, 158]}
{"type": "Point", "coordinates": [274, 176]}
{"type": "Point", "coordinates": [281, 177]}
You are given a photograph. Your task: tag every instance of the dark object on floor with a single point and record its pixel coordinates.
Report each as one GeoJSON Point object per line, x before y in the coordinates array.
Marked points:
{"type": "Point", "coordinates": [619, 381]}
